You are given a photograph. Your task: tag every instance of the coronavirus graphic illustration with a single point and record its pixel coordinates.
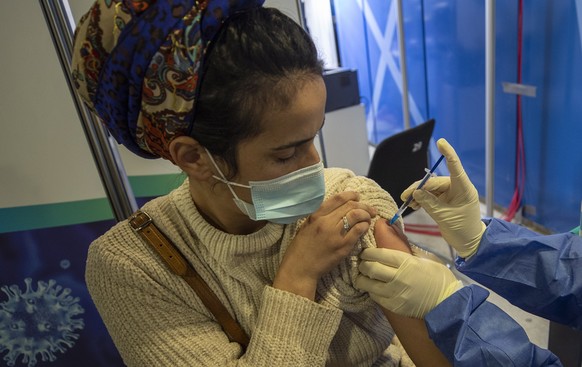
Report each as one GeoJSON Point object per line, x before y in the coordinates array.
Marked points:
{"type": "Point", "coordinates": [38, 322]}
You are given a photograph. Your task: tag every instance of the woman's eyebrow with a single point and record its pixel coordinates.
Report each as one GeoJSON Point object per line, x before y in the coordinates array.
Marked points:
{"type": "Point", "coordinates": [292, 144]}
{"type": "Point", "coordinates": [297, 143]}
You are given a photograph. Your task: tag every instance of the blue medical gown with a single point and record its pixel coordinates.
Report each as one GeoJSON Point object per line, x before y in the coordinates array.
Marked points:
{"type": "Point", "coordinates": [540, 274]}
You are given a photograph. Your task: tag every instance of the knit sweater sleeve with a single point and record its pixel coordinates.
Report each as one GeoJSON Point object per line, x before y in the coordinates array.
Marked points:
{"type": "Point", "coordinates": [292, 331]}
{"type": "Point", "coordinates": [155, 319]}
{"type": "Point", "coordinates": [140, 304]}
{"type": "Point", "coordinates": [337, 287]}
{"type": "Point", "coordinates": [339, 180]}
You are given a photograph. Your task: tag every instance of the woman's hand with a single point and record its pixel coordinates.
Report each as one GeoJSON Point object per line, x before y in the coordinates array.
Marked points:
{"type": "Point", "coordinates": [322, 242]}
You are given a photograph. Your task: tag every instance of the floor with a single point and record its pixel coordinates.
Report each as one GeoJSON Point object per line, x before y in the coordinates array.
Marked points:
{"type": "Point", "coordinates": [536, 328]}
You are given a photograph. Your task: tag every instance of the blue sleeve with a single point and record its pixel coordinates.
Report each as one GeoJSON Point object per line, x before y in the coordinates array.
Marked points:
{"type": "Point", "coordinates": [473, 332]}
{"type": "Point", "coordinates": [541, 274]}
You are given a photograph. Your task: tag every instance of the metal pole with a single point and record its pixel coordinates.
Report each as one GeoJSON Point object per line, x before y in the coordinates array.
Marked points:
{"type": "Point", "coordinates": [103, 148]}
{"type": "Point", "coordinates": [300, 14]}
{"type": "Point", "coordinates": [403, 70]}
{"type": "Point", "coordinates": [489, 104]}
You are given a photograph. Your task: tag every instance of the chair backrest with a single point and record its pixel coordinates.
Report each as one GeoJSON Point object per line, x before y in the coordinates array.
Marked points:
{"type": "Point", "coordinates": [400, 159]}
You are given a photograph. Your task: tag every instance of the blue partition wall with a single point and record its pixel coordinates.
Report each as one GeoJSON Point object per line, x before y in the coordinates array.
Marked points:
{"type": "Point", "coordinates": [445, 45]}
{"type": "Point", "coordinates": [367, 40]}
{"type": "Point", "coordinates": [47, 317]}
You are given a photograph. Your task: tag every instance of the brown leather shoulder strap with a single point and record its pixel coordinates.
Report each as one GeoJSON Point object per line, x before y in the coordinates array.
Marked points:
{"type": "Point", "coordinates": [142, 223]}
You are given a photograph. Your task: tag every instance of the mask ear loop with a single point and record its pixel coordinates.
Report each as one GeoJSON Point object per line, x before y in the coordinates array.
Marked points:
{"type": "Point", "coordinates": [228, 183]}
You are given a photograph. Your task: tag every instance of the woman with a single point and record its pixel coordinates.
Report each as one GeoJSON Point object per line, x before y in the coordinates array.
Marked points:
{"type": "Point", "coordinates": [233, 95]}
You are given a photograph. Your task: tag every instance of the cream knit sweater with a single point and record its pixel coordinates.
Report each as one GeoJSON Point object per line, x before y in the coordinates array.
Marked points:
{"type": "Point", "coordinates": [156, 319]}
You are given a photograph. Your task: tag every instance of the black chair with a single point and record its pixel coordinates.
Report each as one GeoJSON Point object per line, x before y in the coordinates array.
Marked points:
{"type": "Point", "coordinates": [400, 159]}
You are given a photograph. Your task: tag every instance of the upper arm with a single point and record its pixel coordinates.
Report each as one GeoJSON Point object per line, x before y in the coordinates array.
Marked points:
{"type": "Point", "coordinates": [151, 314]}
{"type": "Point", "coordinates": [390, 237]}
{"type": "Point", "coordinates": [412, 332]}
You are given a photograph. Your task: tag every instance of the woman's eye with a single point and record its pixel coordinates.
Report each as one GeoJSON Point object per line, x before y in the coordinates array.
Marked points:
{"type": "Point", "coordinates": [286, 159]}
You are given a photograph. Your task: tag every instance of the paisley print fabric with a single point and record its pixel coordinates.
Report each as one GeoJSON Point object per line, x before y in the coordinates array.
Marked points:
{"type": "Point", "coordinates": [137, 64]}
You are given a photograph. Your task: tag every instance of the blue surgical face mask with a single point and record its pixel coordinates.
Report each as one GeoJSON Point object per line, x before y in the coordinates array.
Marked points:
{"type": "Point", "coordinates": [284, 199]}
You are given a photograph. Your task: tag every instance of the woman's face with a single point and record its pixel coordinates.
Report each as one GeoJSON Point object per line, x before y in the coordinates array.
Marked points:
{"type": "Point", "coordinates": [286, 143]}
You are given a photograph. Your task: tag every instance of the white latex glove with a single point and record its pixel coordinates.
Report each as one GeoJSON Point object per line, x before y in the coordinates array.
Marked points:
{"type": "Point", "coordinates": [405, 284]}
{"type": "Point", "coordinates": [453, 203]}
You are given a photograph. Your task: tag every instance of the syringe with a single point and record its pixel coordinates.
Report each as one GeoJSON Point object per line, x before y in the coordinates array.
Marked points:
{"type": "Point", "coordinates": [420, 185]}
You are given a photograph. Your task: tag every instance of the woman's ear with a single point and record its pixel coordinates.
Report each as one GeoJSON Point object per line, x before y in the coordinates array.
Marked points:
{"type": "Point", "coordinates": [190, 156]}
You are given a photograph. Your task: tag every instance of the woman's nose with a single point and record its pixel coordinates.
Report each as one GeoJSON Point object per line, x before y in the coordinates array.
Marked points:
{"type": "Point", "coordinates": [313, 156]}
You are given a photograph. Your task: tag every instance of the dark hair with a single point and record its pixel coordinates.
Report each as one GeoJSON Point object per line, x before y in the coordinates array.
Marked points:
{"type": "Point", "coordinates": [257, 62]}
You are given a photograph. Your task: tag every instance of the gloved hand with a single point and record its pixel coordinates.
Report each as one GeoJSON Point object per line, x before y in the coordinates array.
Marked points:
{"type": "Point", "coordinates": [453, 203]}
{"type": "Point", "coordinates": [405, 284]}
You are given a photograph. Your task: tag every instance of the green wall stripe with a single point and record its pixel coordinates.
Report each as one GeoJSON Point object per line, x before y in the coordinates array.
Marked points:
{"type": "Point", "coordinates": [158, 185]}
{"type": "Point", "coordinates": [30, 217]}
{"type": "Point", "coordinates": [53, 215]}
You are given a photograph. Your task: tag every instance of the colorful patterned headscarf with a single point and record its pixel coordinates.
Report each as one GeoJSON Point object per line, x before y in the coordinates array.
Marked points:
{"type": "Point", "coordinates": [137, 64]}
